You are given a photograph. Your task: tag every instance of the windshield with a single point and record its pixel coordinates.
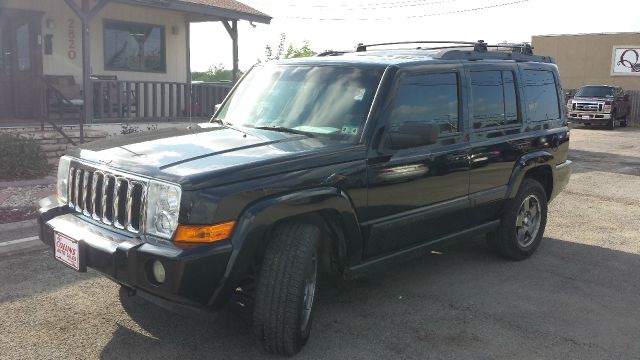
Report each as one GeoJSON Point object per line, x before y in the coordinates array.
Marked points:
{"type": "Point", "coordinates": [328, 101]}
{"type": "Point", "coordinates": [596, 91]}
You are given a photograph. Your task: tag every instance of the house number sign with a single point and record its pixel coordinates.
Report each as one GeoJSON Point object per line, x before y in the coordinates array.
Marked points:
{"type": "Point", "coordinates": [71, 36]}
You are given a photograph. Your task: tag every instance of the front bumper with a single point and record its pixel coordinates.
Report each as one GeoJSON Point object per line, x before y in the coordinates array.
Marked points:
{"type": "Point", "coordinates": [589, 117]}
{"type": "Point", "coordinates": [561, 175]}
{"type": "Point", "coordinates": [192, 274]}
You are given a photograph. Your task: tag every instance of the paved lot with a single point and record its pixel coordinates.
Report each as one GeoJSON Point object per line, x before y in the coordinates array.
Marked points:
{"type": "Point", "coordinates": [577, 298]}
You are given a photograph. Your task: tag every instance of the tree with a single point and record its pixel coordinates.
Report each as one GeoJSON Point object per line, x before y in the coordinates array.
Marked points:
{"type": "Point", "coordinates": [215, 73]}
{"type": "Point", "coordinates": [291, 51]}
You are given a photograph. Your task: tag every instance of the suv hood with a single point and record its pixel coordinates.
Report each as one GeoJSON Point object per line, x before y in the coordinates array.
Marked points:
{"type": "Point", "coordinates": [205, 152]}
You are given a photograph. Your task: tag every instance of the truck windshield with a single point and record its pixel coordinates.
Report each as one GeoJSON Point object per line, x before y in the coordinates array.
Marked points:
{"type": "Point", "coordinates": [328, 101]}
{"type": "Point", "coordinates": [596, 91]}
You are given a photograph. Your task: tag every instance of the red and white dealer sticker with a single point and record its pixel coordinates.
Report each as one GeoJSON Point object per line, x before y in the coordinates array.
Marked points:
{"type": "Point", "coordinates": [67, 250]}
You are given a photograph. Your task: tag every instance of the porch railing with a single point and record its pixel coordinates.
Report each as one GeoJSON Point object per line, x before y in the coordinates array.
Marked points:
{"type": "Point", "coordinates": [118, 100]}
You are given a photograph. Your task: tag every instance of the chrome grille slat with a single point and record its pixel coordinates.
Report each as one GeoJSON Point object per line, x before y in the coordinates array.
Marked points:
{"type": "Point", "coordinates": [116, 202]}
{"type": "Point", "coordinates": [112, 198]}
{"type": "Point", "coordinates": [77, 189]}
{"type": "Point", "coordinates": [108, 179]}
{"type": "Point", "coordinates": [85, 193]}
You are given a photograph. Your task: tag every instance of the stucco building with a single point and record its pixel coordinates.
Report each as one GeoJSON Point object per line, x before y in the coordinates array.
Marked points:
{"type": "Point", "coordinates": [583, 59]}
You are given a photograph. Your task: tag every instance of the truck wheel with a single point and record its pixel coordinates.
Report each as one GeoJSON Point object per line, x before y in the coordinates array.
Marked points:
{"type": "Point", "coordinates": [522, 224]}
{"type": "Point", "coordinates": [611, 124]}
{"type": "Point", "coordinates": [286, 289]}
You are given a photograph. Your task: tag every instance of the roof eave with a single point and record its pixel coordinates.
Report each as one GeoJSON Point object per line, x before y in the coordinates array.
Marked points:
{"type": "Point", "coordinates": [197, 9]}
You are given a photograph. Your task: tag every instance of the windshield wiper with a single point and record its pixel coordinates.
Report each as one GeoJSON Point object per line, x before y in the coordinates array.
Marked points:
{"type": "Point", "coordinates": [284, 129]}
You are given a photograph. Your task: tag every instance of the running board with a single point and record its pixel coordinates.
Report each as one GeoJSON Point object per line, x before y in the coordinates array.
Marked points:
{"type": "Point", "coordinates": [416, 251]}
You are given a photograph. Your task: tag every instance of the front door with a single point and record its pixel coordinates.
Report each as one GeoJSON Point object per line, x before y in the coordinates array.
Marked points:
{"type": "Point", "coordinates": [421, 193]}
{"type": "Point", "coordinates": [20, 64]}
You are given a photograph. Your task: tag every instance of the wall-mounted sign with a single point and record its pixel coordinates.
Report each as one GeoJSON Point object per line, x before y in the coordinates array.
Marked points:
{"type": "Point", "coordinates": [626, 60]}
{"type": "Point", "coordinates": [71, 37]}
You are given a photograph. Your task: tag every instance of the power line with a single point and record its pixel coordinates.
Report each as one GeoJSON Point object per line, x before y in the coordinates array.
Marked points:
{"type": "Point", "coordinates": [372, 6]}
{"type": "Point", "coordinates": [411, 16]}
{"type": "Point", "coordinates": [387, 4]}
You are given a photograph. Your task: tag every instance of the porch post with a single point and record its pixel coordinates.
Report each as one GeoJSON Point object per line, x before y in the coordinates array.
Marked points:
{"type": "Point", "coordinates": [234, 39]}
{"type": "Point", "coordinates": [233, 33]}
{"type": "Point", "coordinates": [87, 91]}
{"type": "Point", "coordinates": [85, 13]}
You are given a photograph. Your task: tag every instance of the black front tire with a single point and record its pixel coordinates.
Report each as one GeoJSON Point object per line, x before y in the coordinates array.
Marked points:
{"type": "Point", "coordinates": [611, 124]}
{"type": "Point", "coordinates": [504, 240]}
{"type": "Point", "coordinates": [282, 315]}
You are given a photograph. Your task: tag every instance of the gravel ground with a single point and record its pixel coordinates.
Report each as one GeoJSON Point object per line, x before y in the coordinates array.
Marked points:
{"type": "Point", "coordinates": [576, 298]}
{"type": "Point", "coordinates": [20, 203]}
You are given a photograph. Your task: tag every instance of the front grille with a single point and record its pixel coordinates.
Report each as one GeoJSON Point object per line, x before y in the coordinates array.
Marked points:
{"type": "Point", "coordinates": [113, 199]}
{"type": "Point", "coordinates": [587, 107]}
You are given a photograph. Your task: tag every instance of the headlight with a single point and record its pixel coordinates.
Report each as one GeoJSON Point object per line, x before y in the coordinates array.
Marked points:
{"type": "Point", "coordinates": [163, 208]}
{"type": "Point", "coordinates": [606, 108]}
{"type": "Point", "coordinates": [63, 178]}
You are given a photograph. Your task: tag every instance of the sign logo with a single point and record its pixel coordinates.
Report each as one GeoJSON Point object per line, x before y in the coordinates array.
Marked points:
{"type": "Point", "coordinates": [626, 61]}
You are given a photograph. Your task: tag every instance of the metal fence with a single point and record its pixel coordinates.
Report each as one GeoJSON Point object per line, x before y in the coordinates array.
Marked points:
{"type": "Point", "coordinates": [634, 116]}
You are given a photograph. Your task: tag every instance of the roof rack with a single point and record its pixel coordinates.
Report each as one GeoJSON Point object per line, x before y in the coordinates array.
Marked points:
{"type": "Point", "coordinates": [333, 53]}
{"type": "Point", "coordinates": [480, 51]}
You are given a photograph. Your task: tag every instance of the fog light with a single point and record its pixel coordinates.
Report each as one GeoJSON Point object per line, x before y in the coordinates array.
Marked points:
{"type": "Point", "coordinates": [158, 272]}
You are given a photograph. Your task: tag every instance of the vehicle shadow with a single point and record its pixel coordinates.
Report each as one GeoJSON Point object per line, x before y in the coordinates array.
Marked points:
{"type": "Point", "coordinates": [586, 161]}
{"type": "Point", "coordinates": [34, 272]}
{"type": "Point", "coordinates": [569, 300]}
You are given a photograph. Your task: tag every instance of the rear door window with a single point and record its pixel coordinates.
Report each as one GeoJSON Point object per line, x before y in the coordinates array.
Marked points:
{"type": "Point", "coordinates": [541, 95]}
{"type": "Point", "coordinates": [493, 99]}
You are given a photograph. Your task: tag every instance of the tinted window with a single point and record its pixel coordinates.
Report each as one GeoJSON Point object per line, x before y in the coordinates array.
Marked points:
{"type": "Point", "coordinates": [430, 98]}
{"type": "Point", "coordinates": [542, 96]}
{"type": "Point", "coordinates": [494, 99]}
{"type": "Point", "coordinates": [135, 47]}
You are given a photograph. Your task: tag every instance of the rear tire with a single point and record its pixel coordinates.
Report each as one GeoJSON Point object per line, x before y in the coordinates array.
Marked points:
{"type": "Point", "coordinates": [522, 224]}
{"type": "Point", "coordinates": [624, 122]}
{"type": "Point", "coordinates": [286, 289]}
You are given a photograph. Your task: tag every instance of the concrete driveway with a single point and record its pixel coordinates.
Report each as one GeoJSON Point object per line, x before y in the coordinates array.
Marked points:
{"type": "Point", "coordinates": [578, 297]}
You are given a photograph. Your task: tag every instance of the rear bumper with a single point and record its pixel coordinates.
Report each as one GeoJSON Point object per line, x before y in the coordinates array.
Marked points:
{"type": "Point", "coordinates": [561, 175]}
{"type": "Point", "coordinates": [192, 275]}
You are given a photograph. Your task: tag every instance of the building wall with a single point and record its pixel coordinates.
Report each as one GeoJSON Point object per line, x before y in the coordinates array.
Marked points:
{"type": "Point", "coordinates": [587, 58]}
{"type": "Point", "coordinates": [61, 22]}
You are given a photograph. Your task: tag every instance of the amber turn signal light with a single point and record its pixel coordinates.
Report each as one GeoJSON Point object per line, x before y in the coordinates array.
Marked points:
{"type": "Point", "coordinates": [203, 233]}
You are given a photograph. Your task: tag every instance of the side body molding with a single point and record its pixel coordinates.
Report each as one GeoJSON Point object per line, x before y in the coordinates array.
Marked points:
{"type": "Point", "coordinates": [524, 164]}
{"type": "Point", "coordinates": [248, 236]}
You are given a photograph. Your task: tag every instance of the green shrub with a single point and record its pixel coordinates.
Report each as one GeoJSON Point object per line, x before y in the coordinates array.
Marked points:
{"type": "Point", "coordinates": [21, 158]}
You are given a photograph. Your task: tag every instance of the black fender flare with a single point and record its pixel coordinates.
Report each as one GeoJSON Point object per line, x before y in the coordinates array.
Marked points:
{"type": "Point", "coordinates": [248, 235]}
{"type": "Point", "coordinates": [525, 163]}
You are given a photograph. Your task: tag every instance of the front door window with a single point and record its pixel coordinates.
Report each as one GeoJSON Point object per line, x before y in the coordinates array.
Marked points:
{"type": "Point", "coordinates": [23, 48]}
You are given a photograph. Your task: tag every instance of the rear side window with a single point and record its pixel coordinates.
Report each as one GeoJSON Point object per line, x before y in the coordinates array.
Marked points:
{"type": "Point", "coordinates": [430, 98]}
{"type": "Point", "coordinates": [542, 95]}
{"type": "Point", "coordinates": [494, 100]}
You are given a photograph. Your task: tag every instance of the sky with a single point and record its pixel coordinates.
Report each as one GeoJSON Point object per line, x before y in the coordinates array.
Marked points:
{"type": "Point", "coordinates": [342, 24]}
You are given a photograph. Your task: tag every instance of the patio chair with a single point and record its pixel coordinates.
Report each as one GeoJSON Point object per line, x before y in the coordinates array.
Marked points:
{"type": "Point", "coordinates": [63, 94]}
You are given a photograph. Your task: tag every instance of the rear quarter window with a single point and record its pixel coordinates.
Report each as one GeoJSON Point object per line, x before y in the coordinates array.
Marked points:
{"type": "Point", "coordinates": [541, 95]}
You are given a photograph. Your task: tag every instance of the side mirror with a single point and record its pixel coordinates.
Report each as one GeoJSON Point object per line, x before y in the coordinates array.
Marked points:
{"type": "Point", "coordinates": [411, 135]}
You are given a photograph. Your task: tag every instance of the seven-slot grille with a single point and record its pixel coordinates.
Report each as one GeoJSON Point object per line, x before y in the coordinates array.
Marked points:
{"type": "Point", "coordinates": [110, 198]}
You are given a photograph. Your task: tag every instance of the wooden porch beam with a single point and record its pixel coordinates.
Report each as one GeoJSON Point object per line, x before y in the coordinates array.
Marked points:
{"type": "Point", "coordinates": [232, 29]}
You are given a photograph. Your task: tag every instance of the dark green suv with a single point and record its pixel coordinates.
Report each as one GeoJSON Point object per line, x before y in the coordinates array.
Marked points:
{"type": "Point", "coordinates": [340, 163]}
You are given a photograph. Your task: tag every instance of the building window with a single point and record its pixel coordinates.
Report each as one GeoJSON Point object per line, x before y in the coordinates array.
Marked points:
{"type": "Point", "coordinates": [428, 98]}
{"type": "Point", "coordinates": [134, 47]}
